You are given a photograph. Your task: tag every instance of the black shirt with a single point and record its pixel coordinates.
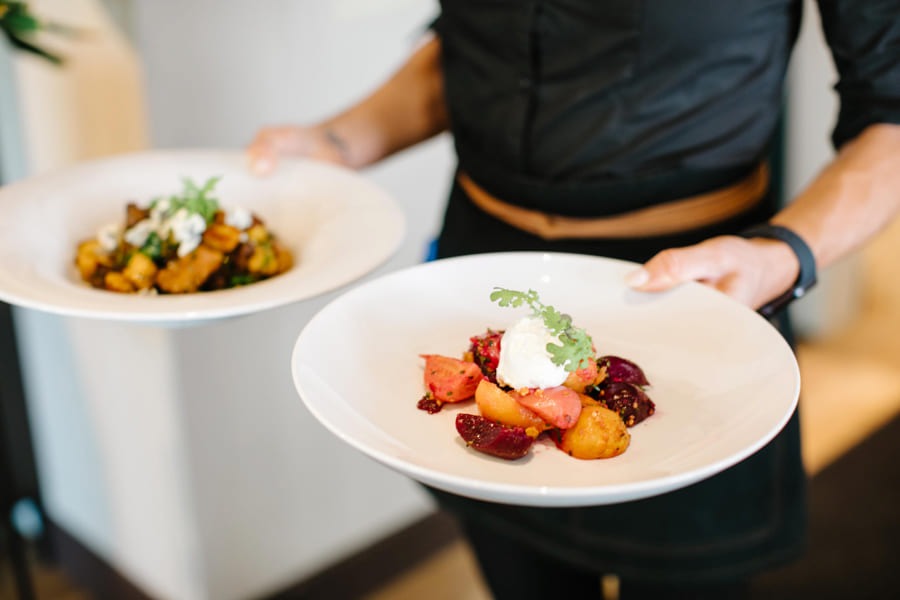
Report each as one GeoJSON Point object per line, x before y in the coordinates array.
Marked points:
{"type": "Point", "coordinates": [560, 91]}
{"type": "Point", "coordinates": [600, 106]}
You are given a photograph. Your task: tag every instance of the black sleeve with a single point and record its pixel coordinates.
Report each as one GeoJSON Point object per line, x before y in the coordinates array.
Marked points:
{"type": "Point", "coordinates": [864, 37]}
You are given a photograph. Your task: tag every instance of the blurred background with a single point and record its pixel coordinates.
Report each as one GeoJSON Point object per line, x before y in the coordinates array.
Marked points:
{"type": "Point", "coordinates": [152, 463]}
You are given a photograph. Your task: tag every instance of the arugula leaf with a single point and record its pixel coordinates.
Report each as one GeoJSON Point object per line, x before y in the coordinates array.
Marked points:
{"type": "Point", "coordinates": [197, 199]}
{"type": "Point", "coordinates": [575, 345]}
{"type": "Point", "coordinates": [237, 280]}
{"type": "Point", "coordinates": [153, 246]}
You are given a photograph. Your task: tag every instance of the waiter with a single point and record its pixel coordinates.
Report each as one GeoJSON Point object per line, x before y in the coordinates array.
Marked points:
{"type": "Point", "coordinates": [640, 131]}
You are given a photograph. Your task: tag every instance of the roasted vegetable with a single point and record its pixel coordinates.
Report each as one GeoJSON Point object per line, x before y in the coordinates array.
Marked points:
{"type": "Point", "coordinates": [598, 433]}
{"type": "Point", "coordinates": [626, 399]}
{"type": "Point", "coordinates": [189, 272]}
{"type": "Point", "coordinates": [140, 271]}
{"type": "Point", "coordinates": [449, 379]}
{"type": "Point", "coordinates": [223, 238]}
{"type": "Point", "coordinates": [493, 438]}
{"type": "Point", "coordinates": [182, 244]}
{"type": "Point", "coordinates": [497, 405]}
{"type": "Point", "coordinates": [622, 369]}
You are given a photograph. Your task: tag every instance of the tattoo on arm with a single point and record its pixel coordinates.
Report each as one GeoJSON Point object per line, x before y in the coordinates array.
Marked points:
{"type": "Point", "coordinates": [338, 143]}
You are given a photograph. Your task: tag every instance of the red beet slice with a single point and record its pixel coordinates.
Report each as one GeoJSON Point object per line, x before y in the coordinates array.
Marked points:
{"type": "Point", "coordinates": [485, 350]}
{"type": "Point", "coordinates": [623, 370]}
{"type": "Point", "coordinates": [429, 405]}
{"type": "Point", "coordinates": [493, 438]}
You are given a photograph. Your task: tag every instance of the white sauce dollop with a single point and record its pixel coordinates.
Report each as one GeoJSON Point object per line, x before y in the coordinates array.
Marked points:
{"type": "Point", "coordinates": [109, 236]}
{"type": "Point", "coordinates": [187, 230]}
{"type": "Point", "coordinates": [524, 360]}
{"type": "Point", "coordinates": [239, 218]}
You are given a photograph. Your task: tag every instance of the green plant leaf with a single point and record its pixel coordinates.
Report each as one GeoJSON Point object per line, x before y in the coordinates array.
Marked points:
{"type": "Point", "coordinates": [18, 42]}
{"type": "Point", "coordinates": [153, 246]}
{"type": "Point", "coordinates": [20, 25]}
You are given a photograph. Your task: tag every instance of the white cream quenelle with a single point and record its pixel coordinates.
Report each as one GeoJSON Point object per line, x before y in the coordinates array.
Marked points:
{"type": "Point", "coordinates": [524, 360]}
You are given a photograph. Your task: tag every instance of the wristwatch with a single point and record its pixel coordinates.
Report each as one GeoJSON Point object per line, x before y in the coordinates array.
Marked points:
{"type": "Point", "coordinates": [807, 277]}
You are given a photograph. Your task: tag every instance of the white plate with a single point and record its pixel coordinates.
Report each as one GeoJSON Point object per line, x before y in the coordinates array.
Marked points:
{"type": "Point", "coordinates": [723, 379]}
{"type": "Point", "coordinates": [338, 224]}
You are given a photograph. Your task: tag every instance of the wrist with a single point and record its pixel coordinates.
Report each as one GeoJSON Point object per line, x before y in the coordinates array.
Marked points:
{"type": "Point", "coordinates": [787, 255]}
{"type": "Point", "coordinates": [781, 264]}
{"type": "Point", "coordinates": [336, 145]}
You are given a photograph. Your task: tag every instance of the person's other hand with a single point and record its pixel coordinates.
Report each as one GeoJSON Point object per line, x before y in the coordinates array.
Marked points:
{"type": "Point", "coordinates": [752, 271]}
{"type": "Point", "coordinates": [273, 143]}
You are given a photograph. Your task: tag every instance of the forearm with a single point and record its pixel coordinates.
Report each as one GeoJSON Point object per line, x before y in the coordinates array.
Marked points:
{"type": "Point", "coordinates": [857, 195]}
{"type": "Point", "coordinates": [408, 108]}
{"type": "Point", "coordinates": [852, 199]}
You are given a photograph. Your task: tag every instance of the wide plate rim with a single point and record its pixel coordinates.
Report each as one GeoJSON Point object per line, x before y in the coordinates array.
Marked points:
{"type": "Point", "coordinates": [43, 293]}
{"type": "Point", "coordinates": [530, 494]}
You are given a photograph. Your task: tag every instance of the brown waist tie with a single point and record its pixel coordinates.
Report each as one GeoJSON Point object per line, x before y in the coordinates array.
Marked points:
{"type": "Point", "coordinates": [676, 216]}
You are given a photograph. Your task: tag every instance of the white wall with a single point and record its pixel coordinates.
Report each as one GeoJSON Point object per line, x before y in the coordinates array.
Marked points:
{"type": "Point", "coordinates": [812, 112]}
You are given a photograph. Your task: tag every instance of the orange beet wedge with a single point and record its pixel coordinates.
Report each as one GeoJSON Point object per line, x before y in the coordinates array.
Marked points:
{"type": "Point", "coordinates": [450, 379]}
{"type": "Point", "coordinates": [497, 405]}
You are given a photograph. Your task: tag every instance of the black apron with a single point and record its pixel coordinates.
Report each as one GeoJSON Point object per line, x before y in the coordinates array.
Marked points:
{"type": "Point", "coordinates": [725, 528]}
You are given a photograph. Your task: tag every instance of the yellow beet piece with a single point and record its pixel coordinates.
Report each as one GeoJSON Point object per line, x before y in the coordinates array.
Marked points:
{"type": "Point", "coordinates": [581, 379]}
{"type": "Point", "coordinates": [598, 433]}
{"type": "Point", "coordinates": [496, 405]}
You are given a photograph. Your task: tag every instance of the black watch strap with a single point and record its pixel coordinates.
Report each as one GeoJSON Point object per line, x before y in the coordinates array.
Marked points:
{"type": "Point", "coordinates": [807, 277]}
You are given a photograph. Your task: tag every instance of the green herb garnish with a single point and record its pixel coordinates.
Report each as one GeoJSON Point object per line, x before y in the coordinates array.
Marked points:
{"type": "Point", "coordinates": [195, 199]}
{"type": "Point", "coordinates": [153, 247]}
{"type": "Point", "coordinates": [238, 280]}
{"type": "Point", "coordinates": [198, 199]}
{"type": "Point", "coordinates": [575, 345]}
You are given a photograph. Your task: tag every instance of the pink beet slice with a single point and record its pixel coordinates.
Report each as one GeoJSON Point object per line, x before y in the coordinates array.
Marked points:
{"type": "Point", "coordinates": [493, 438]}
{"type": "Point", "coordinates": [559, 405]}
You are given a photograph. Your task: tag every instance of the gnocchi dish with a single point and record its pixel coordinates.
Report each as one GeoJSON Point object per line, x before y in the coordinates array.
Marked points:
{"type": "Point", "coordinates": [182, 244]}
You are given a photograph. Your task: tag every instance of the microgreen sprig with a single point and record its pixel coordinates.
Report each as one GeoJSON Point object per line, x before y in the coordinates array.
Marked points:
{"type": "Point", "coordinates": [196, 199]}
{"type": "Point", "coordinates": [575, 345]}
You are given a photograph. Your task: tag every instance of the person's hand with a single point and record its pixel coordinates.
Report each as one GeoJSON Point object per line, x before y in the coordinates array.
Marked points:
{"type": "Point", "coordinates": [751, 271]}
{"type": "Point", "coordinates": [273, 143]}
